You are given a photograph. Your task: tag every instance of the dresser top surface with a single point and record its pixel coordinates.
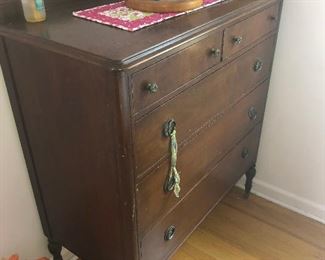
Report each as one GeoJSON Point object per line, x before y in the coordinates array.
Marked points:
{"type": "Point", "coordinates": [115, 45]}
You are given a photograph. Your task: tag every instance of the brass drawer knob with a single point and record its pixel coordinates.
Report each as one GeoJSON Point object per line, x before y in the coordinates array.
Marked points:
{"type": "Point", "coordinates": [258, 65]}
{"type": "Point", "coordinates": [215, 52]}
{"type": "Point", "coordinates": [237, 40]}
{"type": "Point", "coordinates": [252, 113]}
{"type": "Point", "coordinates": [245, 153]}
{"type": "Point", "coordinates": [152, 87]}
{"type": "Point", "coordinates": [169, 233]}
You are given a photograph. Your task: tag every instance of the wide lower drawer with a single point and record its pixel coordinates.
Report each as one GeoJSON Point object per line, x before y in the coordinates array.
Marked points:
{"type": "Point", "coordinates": [244, 33]}
{"type": "Point", "coordinates": [171, 231]}
{"type": "Point", "coordinates": [197, 157]}
{"type": "Point", "coordinates": [162, 78]}
{"type": "Point", "coordinates": [195, 106]}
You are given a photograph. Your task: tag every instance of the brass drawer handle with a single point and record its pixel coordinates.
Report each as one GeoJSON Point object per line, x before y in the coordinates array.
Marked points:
{"type": "Point", "coordinates": [237, 40]}
{"type": "Point", "coordinates": [169, 233]}
{"type": "Point", "coordinates": [245, 153]}
{"type": "Point", "coordinates": [152, 87]}
{"type": "Point", "coordinates": [169, 127]}
{"type": "Point", "coordinates": [252, 113]}
{"type": "Point", "coordinates": [215, 52]}
{"type": "Point", "coordinates": [169, 184]}
{"type": "Point", "coordinates": [174, 178]}
{"type": "Point", "coordinates": [258, 65]}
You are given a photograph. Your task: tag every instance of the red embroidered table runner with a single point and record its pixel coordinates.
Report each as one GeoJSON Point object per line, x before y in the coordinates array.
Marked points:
{"type": "Point", "coordinates": [120, 16]}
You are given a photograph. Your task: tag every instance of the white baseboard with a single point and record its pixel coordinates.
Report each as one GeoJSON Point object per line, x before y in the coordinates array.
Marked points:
{"type": "Point", "coordinates": [288, 200]}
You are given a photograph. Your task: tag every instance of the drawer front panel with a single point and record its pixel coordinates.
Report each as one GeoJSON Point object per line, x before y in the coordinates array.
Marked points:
{"type": "Point", "coordinates": [198, 104]}
{"type": "Point", "coordinates": [248, 31]}
{"type": "Point", "coordinates": [197, 157]}
{"type": "Point", "coordinates": [162, 78]}
{"type": "Point", "coordinates": [183, 219]}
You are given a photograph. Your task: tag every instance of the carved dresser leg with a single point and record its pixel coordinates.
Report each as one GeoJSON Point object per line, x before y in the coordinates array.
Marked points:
{"type": "Point", "coordinates": [250, 174]}
{"type": "Point", "coordinates": [55, 249]}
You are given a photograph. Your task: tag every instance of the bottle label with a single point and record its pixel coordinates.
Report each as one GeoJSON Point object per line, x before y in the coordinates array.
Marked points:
{"type": "Point", "coordinates": [39, 4]}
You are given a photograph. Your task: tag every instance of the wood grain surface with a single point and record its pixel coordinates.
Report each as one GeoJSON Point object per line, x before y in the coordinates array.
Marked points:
{"type": "Point", "coordinates": [225, 86]}
{"type": "Point", "coordinates": [254, 229]}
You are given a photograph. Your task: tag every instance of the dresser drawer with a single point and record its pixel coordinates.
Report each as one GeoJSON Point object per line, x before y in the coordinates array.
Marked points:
{"type": "Point", "coordinates": [197, 157]}
{"type": "Point", "coordinates": [162, 78]}
{"type": "Point", "coordinates": [248, 31]}
{"type": "Point", "coordinates": [183, 219]}
{"type": "Point", "coordinates": [198, 104]}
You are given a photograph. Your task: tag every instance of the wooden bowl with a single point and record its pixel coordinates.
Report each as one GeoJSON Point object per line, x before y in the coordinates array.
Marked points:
{"type": "Point", "coordinates": [163, 6]}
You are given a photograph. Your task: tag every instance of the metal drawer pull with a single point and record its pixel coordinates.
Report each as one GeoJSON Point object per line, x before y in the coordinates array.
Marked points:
{"type": "Point", "coordinates": [244, 153]}
{"type": "Point", "coordinates": [174, 178]}
{"type": "Point", "coordinates": [169, 184]}
{"type": "Point", "coordinates": [169, 127]}
{"type": "Point", "coordinates": [152, 87]}
{"type": "Point", "coordinates": [252, 113]}
{"type": "Point", "coordinates": [170, 232]}
{"type": "Point", "coordinates": [215, 52]}
{"type": "Point", "coordinates": [258, 65]}
{"type": "Point", "coordinates": [237, 40]}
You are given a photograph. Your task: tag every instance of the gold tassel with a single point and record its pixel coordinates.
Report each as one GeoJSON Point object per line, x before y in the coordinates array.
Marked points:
{"type": "Point", "coordinates": [173, 161]}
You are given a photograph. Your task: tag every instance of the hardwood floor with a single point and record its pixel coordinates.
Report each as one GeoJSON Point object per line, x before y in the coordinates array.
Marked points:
{"type": "Point", "coordinates": [242, 229]}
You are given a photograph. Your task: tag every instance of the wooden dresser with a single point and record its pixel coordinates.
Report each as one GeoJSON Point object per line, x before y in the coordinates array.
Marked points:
{"type": "Point", "coordinates": [131, 139]}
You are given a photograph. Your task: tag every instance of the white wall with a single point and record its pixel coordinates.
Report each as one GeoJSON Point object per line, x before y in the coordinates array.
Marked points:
{"type": "Point", "coordinates": [20, 228]}
{"type": "Point", "coordinates": [291, 161]}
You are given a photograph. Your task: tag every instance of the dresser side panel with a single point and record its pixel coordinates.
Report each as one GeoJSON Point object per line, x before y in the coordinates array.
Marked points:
{"type": "Point", "coordinates": [8, 77]}
{"type": "Point", "coordinates": [70, 111]}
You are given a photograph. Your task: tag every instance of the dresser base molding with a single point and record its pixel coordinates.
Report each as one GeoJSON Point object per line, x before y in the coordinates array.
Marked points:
{"type": "Point", "coordinates": [91, 101]}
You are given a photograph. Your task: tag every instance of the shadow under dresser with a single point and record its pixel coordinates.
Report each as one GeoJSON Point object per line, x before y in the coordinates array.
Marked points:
{"type": "Point", "coordinates": [132, 138]}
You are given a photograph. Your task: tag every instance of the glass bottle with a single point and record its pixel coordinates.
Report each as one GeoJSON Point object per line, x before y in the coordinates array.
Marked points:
{"type": "Point", "coordinates": [34, 10]}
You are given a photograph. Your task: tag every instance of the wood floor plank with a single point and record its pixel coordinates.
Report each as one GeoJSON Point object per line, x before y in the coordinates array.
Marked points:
{"type": "Point", "coordinates": [295, 224]}
{"type": "Point", "coordinates": [190, 252]}
{"type": "Point", "coordinates": [256, 237]}
{"type": "Point", "coordinates": [254, 229]}
{"type": "Point", "coordinates": [213, 248]}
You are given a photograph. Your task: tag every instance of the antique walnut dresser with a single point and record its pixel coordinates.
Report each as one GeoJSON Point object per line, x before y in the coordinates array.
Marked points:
{"type": "Point", "coordinates": [132, 138]}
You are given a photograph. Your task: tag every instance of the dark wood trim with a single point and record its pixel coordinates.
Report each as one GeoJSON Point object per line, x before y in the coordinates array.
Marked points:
{"type": "Point", "coordinates": [125, 164]}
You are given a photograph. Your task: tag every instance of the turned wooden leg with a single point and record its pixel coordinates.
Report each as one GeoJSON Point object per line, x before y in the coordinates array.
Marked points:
{"type": "Point", "coordinates": [55, 249]}
{"type": "Point", "coordinates": [250, 174]}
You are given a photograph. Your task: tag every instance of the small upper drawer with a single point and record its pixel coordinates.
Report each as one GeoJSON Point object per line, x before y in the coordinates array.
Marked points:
{"type": "Point", "coordinates": [155, 82]}
{"type": "Point", "coordinates": [246, 32]}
